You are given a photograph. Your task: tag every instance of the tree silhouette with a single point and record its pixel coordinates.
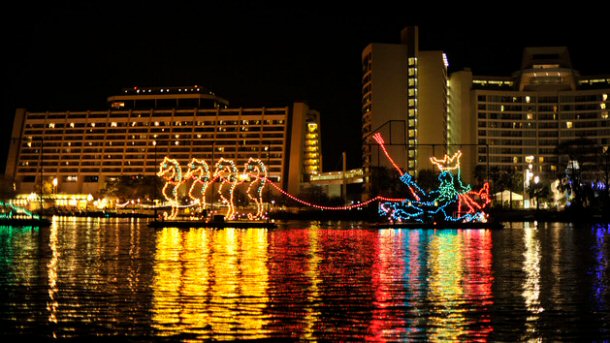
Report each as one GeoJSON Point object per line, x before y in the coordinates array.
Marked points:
{"type": "Point", "coordinates": [127, 187]}
{"type": "Point", "coordinates": [7, 189]}
{"type": "Point", "coordinates": [582, 153]}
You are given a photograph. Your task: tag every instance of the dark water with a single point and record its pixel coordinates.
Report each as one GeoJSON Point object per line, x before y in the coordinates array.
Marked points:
{"type": "Point", "coordinates": [118, 279]}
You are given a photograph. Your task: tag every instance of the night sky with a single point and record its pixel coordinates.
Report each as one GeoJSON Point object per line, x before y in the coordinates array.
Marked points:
{"type": "Point", "coordinates": [71, 55]}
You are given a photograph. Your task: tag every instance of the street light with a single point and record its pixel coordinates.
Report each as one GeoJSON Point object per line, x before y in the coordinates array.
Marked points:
{"type": "Point", "coordinates": [268, 175]}
{"type": "Point", "coordinates": [154, 143]}
{"type": "Point", "coordinates": [54, 191]}
{"type": "Point", "coordinates": [529, 175]}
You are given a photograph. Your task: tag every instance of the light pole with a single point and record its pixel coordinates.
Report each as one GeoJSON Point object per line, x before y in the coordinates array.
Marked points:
{"type": "Point", "coordinates": [268, 175]}
{"type": "Point", "coordinates": [154, 143]}
{"type": "Point", "coordinates": [54, 192]}
{"type": "Point", "coordinates": [41, 173]}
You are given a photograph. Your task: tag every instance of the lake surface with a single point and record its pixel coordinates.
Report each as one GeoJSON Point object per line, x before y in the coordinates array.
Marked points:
{"type": "Point", "coordinates": [118, 279]}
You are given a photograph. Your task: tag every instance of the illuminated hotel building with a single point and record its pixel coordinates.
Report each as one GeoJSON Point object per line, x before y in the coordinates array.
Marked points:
{"type": "Point", "coordinates": [514, 122]}
{"type": "Point", "coordinates": [85, 149]}
{"type": "Point", "coordinates": [517, 122]}
{"type": "Point", "coordinates": [307, 152]}
{"type": "Point", "coordinates": [404, 97]}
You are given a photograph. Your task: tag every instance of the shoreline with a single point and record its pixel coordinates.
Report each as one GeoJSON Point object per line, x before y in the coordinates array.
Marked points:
{"type": "Point", "coordinates": [495, 214]}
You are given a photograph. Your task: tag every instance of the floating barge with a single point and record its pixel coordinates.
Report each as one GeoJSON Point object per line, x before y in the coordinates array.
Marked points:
{"type": "Point", "coordinates": [40, 222]}
{"type": "Point", "coordinates": [441, 225]}
{"type": "Point", "coordinates": [212, 224]}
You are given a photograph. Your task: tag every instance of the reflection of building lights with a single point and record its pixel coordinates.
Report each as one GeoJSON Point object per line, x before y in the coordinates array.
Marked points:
{"type": "Point", "coordinates": [232, 258]}
{"type": "Point", "coordinates": [531, 287]}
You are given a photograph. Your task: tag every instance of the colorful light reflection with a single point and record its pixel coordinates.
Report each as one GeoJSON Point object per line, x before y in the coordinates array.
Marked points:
{"type": "Point", "coordinates": [210, 284]}
{"type": "Point", "coordinates": [451, 201]}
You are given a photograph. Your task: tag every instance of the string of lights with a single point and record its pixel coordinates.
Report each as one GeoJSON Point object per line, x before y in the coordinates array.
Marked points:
{"type": "Point", "coordinates": [333, 208]}
{"type": "Point", "coordinates": [16, 212]}
{"type": "Point", "coordinates": [255, 168]}
{"type": "Point", "coordinates": [451, 201]}
{"type": "Point", "coordinates": [227, 172]}
{"type": "Point", "coordinates": [255, 172]}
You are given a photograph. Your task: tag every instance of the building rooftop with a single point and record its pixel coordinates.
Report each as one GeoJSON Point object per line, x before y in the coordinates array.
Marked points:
{"type": "Point", "coordinates": [543, 69]}
{"type": "Point", "coordinates": [166, 97]}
